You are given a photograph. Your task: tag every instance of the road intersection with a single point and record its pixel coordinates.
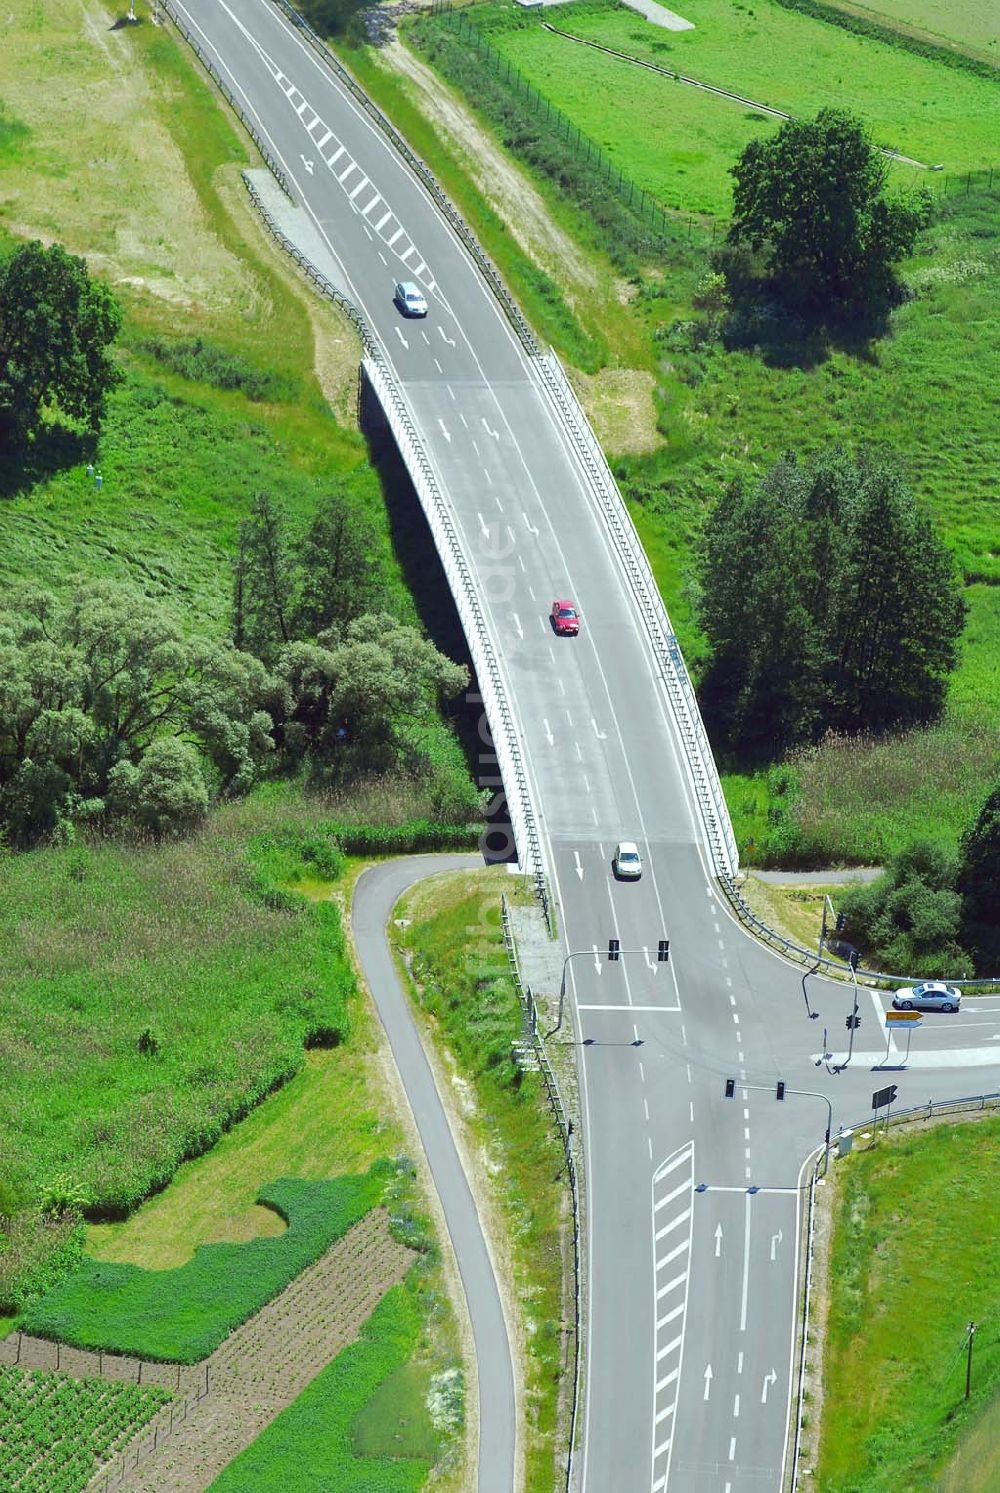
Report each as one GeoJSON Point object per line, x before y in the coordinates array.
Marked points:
{"type": "Point", "coordinates": [694, 1201]}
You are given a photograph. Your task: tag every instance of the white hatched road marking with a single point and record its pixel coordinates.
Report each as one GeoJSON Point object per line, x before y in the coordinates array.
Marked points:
{"type": "Point", "coordinates": [303, 108]}
{"type": "Point", "coordinates": [672, 1189]}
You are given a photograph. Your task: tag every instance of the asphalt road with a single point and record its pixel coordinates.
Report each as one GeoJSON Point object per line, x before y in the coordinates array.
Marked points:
{"type": "Point", "coordinates": [375, 895]}
{"type": "Point", "coordinates": [690, 1310]}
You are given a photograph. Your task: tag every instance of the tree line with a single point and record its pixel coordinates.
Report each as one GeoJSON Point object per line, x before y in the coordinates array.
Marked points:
{"type": "Point", "coordinates": [830, 604]}
{"type": "Point", "coordinates": [110, 715]}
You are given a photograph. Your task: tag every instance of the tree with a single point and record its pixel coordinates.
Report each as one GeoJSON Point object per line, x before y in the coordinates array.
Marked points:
{"type": "Point", "coordinates": [93, 688]}
{"type": "Point", "coordinates": [165, 791]}
{"type": "Point", "coordinates": [56, 329]}
{"type": "Point", "coordinates": [829, 603]}
{"type": "Point", "coordinates": [339, 566]}
{"type": "Point", "coordinates": [262, 582]}
{"type": "Point", "coordinates": [908, 921]}
{"type": "Point", "coordinates": [979, 885]}
{"type": "Point", "coordinates": [813, 196]}
{"type": "Point", "coordinates": [363, 691]}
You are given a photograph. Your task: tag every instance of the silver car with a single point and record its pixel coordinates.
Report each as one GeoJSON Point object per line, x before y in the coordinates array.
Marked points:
{"type": "Point", "coordinates": [627, 864]}
{"type": "Point", "coordinates": [410, 299]}
{"type": "Point", "coordinates": [932, 995]}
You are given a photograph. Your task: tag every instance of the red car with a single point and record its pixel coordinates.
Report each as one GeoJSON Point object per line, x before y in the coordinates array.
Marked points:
{"type": "Point", "coordinates": [565, 619]}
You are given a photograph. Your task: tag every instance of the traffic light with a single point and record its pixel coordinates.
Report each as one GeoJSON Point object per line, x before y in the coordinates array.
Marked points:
{"type": "Point", "coordinates": [730, 1088]}
{"type": "Point", "coordinates": [852, 1021]}
{"type": "Point", "coordinates": [781, 1089]}
{"type": "Point", "coordinates": [841, 921]}
{"type": "Point", "coordinates": [614, 947]}
{"type": "Point", "coordinates": [855, 959]}
{"type": "Point", "coordinates": [663, 952]}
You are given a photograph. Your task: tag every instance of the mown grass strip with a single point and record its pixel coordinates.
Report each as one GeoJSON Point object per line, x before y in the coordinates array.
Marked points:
{"type": "Point", "coordinates": [310, 1444]}
{"type": "Point", "coordinates": [181, 1316]}
{"type": "Point", "coordinates": [462, 982]}
{"type": "Point", "coordinates": [913, 1263]}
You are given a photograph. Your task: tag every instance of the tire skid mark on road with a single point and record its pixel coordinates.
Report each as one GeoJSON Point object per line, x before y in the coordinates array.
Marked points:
{"type": "Point", "coordinates": [672, 1221]}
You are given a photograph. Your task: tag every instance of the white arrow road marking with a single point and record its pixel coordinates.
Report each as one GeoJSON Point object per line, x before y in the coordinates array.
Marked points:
{"type": "Point", "coordinates": [597, 960]}
{"type": "Point", "coordinates": [444, 430]}
{"type": "Point", "coordinates": [309, 165]}
{"type": "Point", "coordinates": [450, 340]}
{"type": "Point", "coordinates": [548, 733]}
{"type": "Point", "coordinates": [708, 1380]}
{"type": "Point", "coordinates": [601, 735]}
{"type": "Point", "coordinates": [775, 1241]}
{"type": "Point", "coordinates": [529, 525]}
{"type": "Point", "coordinates": [579, 868]}
{"type": "Point", "coordinates": [402, 338]}
{"type": "Point", "coordinates": [484, 527]}
{"type": "Point", "coordinates": [769, 1379]}
{"type": "Point", "coordinates": [490, 431]}
{"type": "Point", "coordinates": [520, 629]}
{"type": "Point", "coordinates": [718, 1240]}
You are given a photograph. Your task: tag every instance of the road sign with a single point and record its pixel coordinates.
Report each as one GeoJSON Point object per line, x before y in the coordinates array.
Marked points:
{"type": "Point", "coordinates": [903, 1018]}
{"type": "Point", "coordinates": [882, 1097]}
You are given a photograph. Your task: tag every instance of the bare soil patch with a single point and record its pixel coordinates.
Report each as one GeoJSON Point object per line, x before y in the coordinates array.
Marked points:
{"type": "Point", "coordinates": [265, 1364]}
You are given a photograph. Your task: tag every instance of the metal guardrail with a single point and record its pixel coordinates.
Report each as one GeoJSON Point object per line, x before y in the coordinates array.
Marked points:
{"type": "Point", "coordinates": [503, 727]}
{"type": "Point", "coordinates": [426, 176]}
{"type": "Point", "coordinates": [968, 1104]}
{"type": "Point", "coordinates": [223, 88]}
{"type": "Point", "coordinates": [801, 955]}
{"type": "Point", "coordinates": [565, 1128]}
{"type": "Point", "coordinates": [673, 670]}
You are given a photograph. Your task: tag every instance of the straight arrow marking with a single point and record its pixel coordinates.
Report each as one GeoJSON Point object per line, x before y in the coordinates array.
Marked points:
{"type": "Point", "coordinates": [718, 1240]}
{"type": "Point", "coordinates": [579, 868]}
{"type": "Point", "coordinates": [708, 1380]}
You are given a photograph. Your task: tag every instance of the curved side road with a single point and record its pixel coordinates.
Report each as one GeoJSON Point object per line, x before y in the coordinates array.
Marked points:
{"type": "Point", "coordinates": [375, 895]}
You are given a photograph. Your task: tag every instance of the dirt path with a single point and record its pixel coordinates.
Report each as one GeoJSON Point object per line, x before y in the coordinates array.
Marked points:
{"type": "Point", "coordinates": [265, 1364]}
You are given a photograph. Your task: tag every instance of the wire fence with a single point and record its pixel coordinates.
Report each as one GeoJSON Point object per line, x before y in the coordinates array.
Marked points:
{"type": "Point", "coordinates": [579, 144]}
{"type": "Point", "coordinates": [564, 1125]}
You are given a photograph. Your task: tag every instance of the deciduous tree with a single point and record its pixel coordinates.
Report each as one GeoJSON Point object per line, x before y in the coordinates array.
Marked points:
{"type": "Point", "coordinates": [813, 196]}
{"type": "Point", "coordinates": [979, 884]}
{"type": "Point", "coordinates": [56, 330]}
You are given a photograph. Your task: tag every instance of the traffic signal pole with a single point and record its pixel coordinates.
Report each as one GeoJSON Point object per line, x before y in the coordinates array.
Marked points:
{"type": "Point", "coordinates": [615, 952]}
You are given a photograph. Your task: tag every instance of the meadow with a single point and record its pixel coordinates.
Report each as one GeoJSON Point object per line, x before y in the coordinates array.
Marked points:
{"type": "Point", "coordinates": [773, 56]}
{"type": "Point", "coordinates": [312, 1443]}
{"type": "Point", "coordinates": [462, 986]}
{"type": "Point", "coordinates": [182, 1315]}
{"type": "Point", "coordinates": [911, 1212]}
{"type": "Point", "coordinates": [971, 23]}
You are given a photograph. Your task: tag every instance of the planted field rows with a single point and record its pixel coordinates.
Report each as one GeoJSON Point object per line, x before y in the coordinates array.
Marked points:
{"type": "Point", "coordinates": [55, 1431]}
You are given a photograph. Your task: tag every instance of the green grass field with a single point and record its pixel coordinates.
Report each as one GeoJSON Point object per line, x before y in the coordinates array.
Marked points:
{"type": "Point", "coordinates": [312, 1444]}
{"type": "Point", "coordinates": [912, 1264]}
{"type": "Point", "coordinates": [182, 1315]}
{"type": "Point", "coordinates": [689, 139]}
{"type": "Point", "coordinates": [971, 23]}
{"type": "Point", "coordinates": [462, 984]}
{"type": "Point", "coordinates": [184, 942]}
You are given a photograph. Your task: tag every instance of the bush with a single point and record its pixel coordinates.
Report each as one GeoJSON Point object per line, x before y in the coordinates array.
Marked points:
{"type": "Point", "coordinates": [182, 1315]}
{"type": "Point", "coordinates": [201, 362]}
{"type": "Point", "coordinates": [907, 922]}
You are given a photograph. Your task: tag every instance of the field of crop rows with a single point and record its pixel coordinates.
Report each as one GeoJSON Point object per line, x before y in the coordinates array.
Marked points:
{"type": "Point", "coordinates": [56, 1431]}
